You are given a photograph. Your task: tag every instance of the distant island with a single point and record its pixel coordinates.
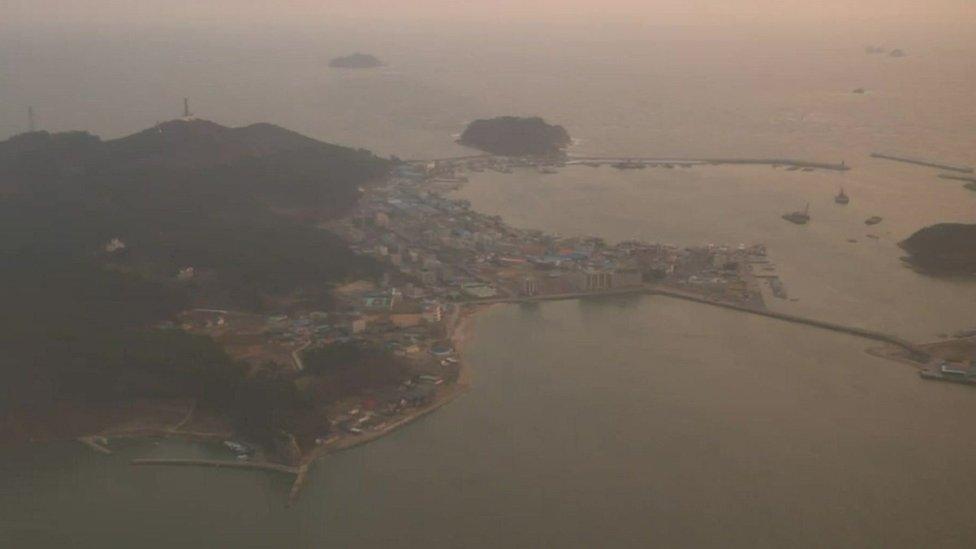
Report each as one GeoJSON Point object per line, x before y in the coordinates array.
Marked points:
{"type": "Point", "coordinates": [945, 248]}
{"type": "Point", "coordinates": [356, 61]}
{"type": "Point", "coordinates": [515, 136]}
{"type": "Point", "coordinates": [877, 50]}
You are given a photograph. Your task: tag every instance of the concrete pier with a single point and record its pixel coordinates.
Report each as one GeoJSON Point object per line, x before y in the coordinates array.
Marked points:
{"type": "Point", "coordinates": [714, 161]}
{"type": "Point", "coordinates": [921, 162]}
{"type": "Point", "coordinates": [915, 351]}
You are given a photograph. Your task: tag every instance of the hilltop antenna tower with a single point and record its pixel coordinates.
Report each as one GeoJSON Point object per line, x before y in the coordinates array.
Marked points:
{"type": "Point", "coordinates": [186, 108]}
{"type": "Point", "coordinates": [31, 122]}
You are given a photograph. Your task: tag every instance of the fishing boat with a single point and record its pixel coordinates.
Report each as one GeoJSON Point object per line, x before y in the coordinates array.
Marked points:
{"type": "Point", "coordinates": [799, 217]}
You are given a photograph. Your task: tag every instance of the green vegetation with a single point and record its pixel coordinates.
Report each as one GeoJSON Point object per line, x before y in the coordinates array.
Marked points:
{"type": "Point", "coordinates": [514, 136]}
{"type": "Point", "coordinates": [232, 203]}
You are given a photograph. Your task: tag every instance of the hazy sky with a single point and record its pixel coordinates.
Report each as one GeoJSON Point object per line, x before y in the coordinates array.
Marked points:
{"type": "Point", "coordinates": [107, 12]}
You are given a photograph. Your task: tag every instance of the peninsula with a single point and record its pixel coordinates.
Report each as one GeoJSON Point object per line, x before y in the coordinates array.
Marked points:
{"type": "Point", "coordinates": [356, 61]}
{"type": "Point", "coordinates": [515, 136]}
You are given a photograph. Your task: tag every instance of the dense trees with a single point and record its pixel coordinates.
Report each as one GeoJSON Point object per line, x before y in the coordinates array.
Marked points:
{"type": "Point", "coordinates": [514, 136]}
{"type": "Point", "coordinates": [78, 319]}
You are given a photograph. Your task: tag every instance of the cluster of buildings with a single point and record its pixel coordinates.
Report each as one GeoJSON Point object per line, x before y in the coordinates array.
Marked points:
{"type": "Point", "coordinates": [443, 250]}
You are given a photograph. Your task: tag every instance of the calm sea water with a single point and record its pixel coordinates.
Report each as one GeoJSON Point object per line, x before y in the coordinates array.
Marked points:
{"type": "Point", "coordinates": [621, 423]}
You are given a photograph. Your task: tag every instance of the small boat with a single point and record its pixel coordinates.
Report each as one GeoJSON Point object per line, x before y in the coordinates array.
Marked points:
{"type": "Point", "coordinates": [842, 197]}
{"type": "Point", "coordinates": [239, 448]}
{"type": "Point", "coordinates": [547, 171]}
{"type": "Point", "coordinates": [798, 217]}
{"type": "Point", "coordinates": [873, 220]}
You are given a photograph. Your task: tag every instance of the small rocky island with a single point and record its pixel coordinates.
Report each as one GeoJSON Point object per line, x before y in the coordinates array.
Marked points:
{"type": "Point", "coordinates": [945, 248]}
{"type": "Point", "coordinates": [356, 61]}
{"type": "Point", "coordinates": [516, 136]}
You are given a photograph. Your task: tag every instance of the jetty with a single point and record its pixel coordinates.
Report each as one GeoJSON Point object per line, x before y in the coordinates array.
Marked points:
{"type": "Point", "coordinates": [916, 352]}
{"type": "Point", "coordinates": [955, 177]}
{"type": "Point", "coordinates": [659, 161]}
{"type": "Point", "coordinates": [922, 162]}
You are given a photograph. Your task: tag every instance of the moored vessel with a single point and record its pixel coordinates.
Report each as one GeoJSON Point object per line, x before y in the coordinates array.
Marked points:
{"type": "Point", "coordinates": [799, 217]}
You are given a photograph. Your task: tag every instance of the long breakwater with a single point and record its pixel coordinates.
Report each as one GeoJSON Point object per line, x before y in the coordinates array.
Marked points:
{"type": "Point", "coordinates": [917, 353]}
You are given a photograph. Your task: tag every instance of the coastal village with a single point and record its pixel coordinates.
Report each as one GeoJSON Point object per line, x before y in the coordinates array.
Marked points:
{"type": "Point", "coordinates": [444, 261]}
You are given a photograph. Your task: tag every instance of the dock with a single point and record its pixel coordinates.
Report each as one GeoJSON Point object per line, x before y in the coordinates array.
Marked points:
{"type": "Point", "coordinates": [922, 162]}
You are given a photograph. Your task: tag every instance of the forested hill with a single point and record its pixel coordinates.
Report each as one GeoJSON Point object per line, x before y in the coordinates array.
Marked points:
{"type": "Point", "coordinates": [257, 161]}
{"type": "Point", "coordinates": [94, 235]}
{"type": "Point", "coordinates": [944, 248]}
